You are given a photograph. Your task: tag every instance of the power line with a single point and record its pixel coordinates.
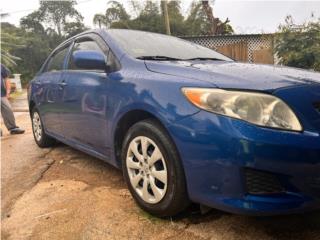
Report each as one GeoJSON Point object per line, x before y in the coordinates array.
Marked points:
{"type": "Point", "coordinates": [18, 11]}
{"type": "Point", "coordinates": [84, 1]}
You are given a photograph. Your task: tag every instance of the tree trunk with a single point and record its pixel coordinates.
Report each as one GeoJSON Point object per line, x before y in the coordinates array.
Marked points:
{"type": "Point", "coordinates": [166, 17]}
{"type": "Point", "coordinates": [59, 30]}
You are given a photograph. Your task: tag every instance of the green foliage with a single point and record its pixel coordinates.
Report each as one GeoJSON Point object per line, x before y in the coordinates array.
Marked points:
{"type": "Point", "coordinates": [57, 13]}
{"type": "Point", "coordinates": [73, 28]}
{"type": "Point", "coordinates": [115, 14]}
{"type": "Point", "coordinates": [10, 40]}
{"type": "Point", "coordinates": [148, 16]}
{"type": "Point", "coordinates": [100, 20]}
{"type": "Point", "coordinates": [196, 20]}
{"type": "Point", "coordinates": [32, 23]}
{"type": "Point", "coordinates": [31, 48]}
{"type": "Point", "coordinates": [299, 46]}
{"type": "Point", "coordinates": [149, 19]}
{"type": "Point", "coordinates": [32, 55]}
{"type": "Point", "coordinates": [25, 49]}
{"type": "Point", "coordinates": [178, 26]}
{"type": "Point", "coordinates": [199, 24]}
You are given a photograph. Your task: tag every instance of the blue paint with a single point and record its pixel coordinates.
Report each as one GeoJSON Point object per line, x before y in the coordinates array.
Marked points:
{"type": "Point", "coordinates": [83, 107]}
{"type": "Point", "coordinates": [89, 59]}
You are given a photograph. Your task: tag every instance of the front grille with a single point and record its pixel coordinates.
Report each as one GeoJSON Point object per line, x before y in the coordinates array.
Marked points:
{"type": "Point", "coordinates": [258, 182]}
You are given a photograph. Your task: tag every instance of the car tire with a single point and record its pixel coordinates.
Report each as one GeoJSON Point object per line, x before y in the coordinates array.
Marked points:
{"type": "Point", "coordinates": [154, 173]}
{"type": "Point", "coordinates": [41, 138]}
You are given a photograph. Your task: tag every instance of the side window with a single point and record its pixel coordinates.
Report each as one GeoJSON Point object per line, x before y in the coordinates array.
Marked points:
{"type": "Point", "coordinates": [113, 62]}
{"type": "Point", "coordinates": [56, 61]}
{"type": "Point", "coordinates": [83, 45]}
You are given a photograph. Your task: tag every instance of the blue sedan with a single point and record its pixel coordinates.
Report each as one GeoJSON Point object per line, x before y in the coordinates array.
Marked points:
{"type": "Point", "coordinates": [184, 123]}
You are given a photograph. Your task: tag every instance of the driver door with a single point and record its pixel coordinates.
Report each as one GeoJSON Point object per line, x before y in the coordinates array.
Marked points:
{"type": "Point", "coordinates": [50, 94]}
{"type": "Point", "coordinates": [84, 100]}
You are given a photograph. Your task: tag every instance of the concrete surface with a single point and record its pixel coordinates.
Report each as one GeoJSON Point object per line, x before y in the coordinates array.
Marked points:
{"type": "Point", "coordinates": [61, 193]}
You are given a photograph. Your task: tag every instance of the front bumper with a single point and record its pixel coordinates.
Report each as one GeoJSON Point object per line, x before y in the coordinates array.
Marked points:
{"type": "Point", "coordinates": [216, 152]}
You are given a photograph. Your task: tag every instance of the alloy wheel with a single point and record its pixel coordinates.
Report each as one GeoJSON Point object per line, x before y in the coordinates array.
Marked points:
{"type": "Point", "coordinates": [37, 127]}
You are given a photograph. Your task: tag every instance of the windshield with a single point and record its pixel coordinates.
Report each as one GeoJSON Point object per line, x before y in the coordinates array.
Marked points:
{"type": "Point", "coordinates": [144, 45]}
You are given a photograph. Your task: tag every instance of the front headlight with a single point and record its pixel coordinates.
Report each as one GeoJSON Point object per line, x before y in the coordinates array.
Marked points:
{"type": "Point", "coordinates": [257, 108]}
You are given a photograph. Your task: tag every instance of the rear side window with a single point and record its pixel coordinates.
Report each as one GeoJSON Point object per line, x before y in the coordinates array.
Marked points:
{"type": "Point", "coordinates": [57, 60]}
{"type": "Point", "coordinates": [83, 45]}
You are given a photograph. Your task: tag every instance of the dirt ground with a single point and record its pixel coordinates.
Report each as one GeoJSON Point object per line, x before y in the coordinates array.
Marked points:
{"type": "Point", "coordinates": [61, 193]}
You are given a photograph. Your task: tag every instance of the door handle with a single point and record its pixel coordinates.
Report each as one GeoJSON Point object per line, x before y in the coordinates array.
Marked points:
{"type": "Point", "coordinates": [62, 84]}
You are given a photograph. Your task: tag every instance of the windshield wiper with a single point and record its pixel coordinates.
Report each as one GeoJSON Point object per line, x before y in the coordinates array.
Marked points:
{"type": "Point", "coordinates": [204, 58]}
{"type": "Point", "coordinates": [166, 58]}
{"type": "Point", "coordinates": [159, 58]}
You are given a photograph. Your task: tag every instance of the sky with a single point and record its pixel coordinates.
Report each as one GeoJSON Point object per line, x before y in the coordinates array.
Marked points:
{"type": "Point", "coordinates": [250, 16]}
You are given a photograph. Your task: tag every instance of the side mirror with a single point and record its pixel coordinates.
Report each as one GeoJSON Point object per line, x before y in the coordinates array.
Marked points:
{"type": "Point", "coordinates": [87, 59]}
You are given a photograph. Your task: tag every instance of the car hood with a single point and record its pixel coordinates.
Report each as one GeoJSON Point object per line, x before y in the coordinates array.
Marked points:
{"type": "Point", "coordinates": [236, 75]}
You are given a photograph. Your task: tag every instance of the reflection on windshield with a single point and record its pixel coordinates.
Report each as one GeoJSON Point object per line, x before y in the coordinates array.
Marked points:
{"type": "Point", "coordinates": [142, 45]}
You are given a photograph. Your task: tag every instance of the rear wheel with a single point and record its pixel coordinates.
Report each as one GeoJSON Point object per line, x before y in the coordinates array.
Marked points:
{"type": "Point", "coordinates": [41, 138]}
{"type": "Point", "coordinates": [153, 171]}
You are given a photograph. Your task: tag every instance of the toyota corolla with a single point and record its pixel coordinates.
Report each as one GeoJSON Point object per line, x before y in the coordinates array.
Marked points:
{"type": "Point", "coordinates": [183, 122]}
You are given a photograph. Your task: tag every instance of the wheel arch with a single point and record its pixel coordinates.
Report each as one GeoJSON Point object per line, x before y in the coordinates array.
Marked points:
{"type": "Point", "coordinates": [32, 104]}
{"type": "Point", "coordinates": [126, 121]}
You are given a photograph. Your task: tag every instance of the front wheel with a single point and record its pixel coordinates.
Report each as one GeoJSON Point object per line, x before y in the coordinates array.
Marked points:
{"type": "Point", "coordinates": [153, 170]}
{"type": "Point", "coordinates": [41, 138]}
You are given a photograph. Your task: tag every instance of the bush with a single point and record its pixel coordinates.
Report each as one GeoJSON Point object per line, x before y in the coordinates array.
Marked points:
{"type": "Point", "coordinates": [299, 46]}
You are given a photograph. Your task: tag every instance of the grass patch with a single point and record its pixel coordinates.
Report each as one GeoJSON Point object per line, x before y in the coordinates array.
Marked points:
{"type": "Point", "coordinates": [151, 218]}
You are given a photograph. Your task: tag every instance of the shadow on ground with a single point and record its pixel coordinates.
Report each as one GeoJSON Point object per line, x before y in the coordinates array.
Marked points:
{"type": "Point", "coordinates": [298, 226]}
{"type": "Point", "coordinates": [70, 195]}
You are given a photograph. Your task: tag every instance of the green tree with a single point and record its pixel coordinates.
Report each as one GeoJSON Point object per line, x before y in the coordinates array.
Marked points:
{"type": "Point", "coordinates": [41, 32]}
{"type": "Point", "coordinates": [31, 49]}
{"type": "Point", "coordinates": [114, 17]}
{"type": "Point", "coordinates": [57, 13]}
{"type": "Point", "coordinates": [32, 23]}
{"type": "Point", "coordinates": [196, 20]}
{"type": "Point", "coordinates": [149, 16]}
{"type": "Point", "coordinates": [177, 24]}
{"type": "Point", "coordinates": [299, 46]}
{"type": "Point", "coordinates": [149, 19]}
{"type": "Point", "coordinates": [117, 14]}
{"type": "Point", "coordinates": [33, 54]}
{"type": "Point", "coordinates": [10, 40]}
{"type": "Point", "coordinates": [200, 21]}
{"type": "Point", "coordinates": [73, 28]}
{"type": "Point", "coordinates": [100, 20]}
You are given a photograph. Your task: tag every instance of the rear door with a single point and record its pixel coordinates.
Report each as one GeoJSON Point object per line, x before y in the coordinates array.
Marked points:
{"type": "Point", "coordinates": [50, 93]}
{"type": "Point", "coordinates": [84, 113]}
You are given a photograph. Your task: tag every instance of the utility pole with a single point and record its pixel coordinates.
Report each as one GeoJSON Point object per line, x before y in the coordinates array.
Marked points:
{"type": "Point", "coordinates": [166, 17]}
